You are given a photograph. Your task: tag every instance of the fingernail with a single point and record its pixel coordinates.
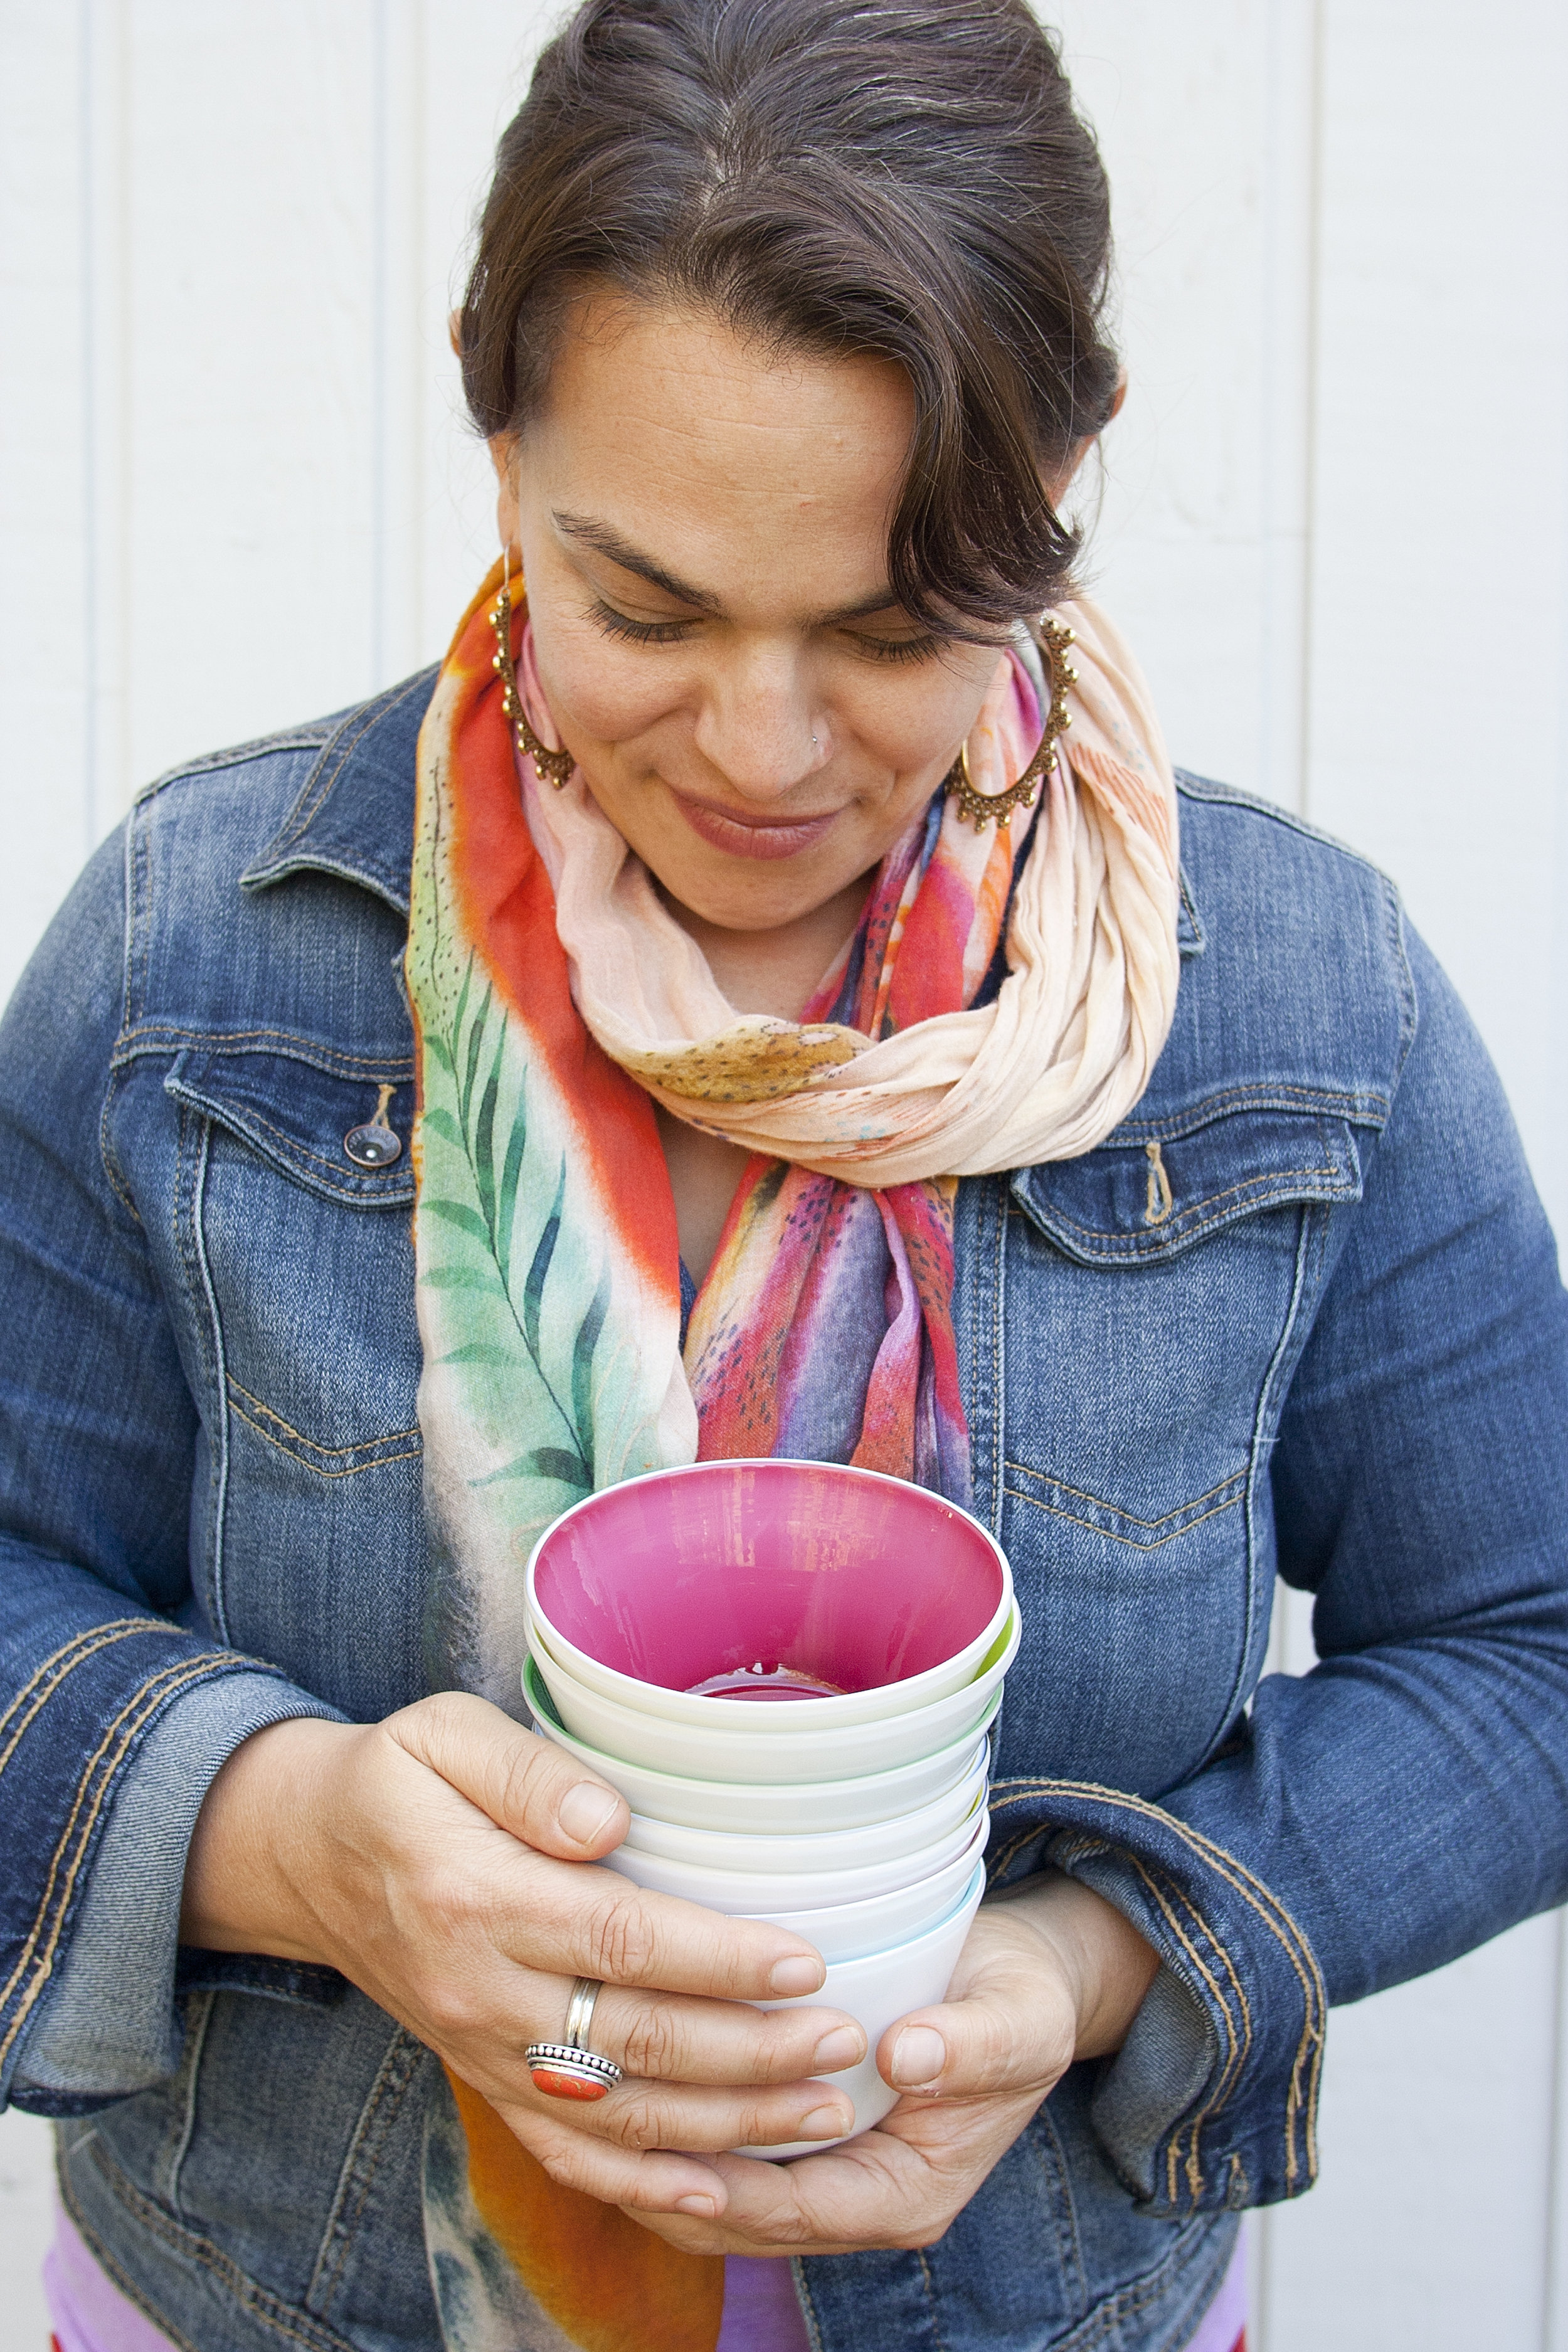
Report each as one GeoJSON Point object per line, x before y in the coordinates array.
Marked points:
{"type": "Point", "coordinates": [919, 2053]}
{"type": "Point", "coordinates": [795, 1976]}
{"type": "Point", "coordinates": [586, 1811]}
{"type": "Point", "coordinates": [842, 2047]}
{"type": "Point", "coordinates": [703, 2207]}
{"type": "Point", "coordinates": [823, 2123]}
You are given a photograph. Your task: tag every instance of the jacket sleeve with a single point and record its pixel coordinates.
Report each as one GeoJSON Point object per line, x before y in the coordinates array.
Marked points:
{"type": "Point", "coordinates": [113, 1718]}
{"type": "Point", "coordinates": [1408, 1798]}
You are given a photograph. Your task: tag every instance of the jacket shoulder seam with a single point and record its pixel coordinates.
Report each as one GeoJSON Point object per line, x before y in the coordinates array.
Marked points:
{"type": "Point", "coordinates": [308, 738]}
{"type": "Point", "coordinates": [1206, 788]}
{"type": "Point", "coordinates": [1403, 979]}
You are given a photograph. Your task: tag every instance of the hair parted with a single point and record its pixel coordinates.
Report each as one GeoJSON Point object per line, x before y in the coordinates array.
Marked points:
{"type": "Point", "coordinates": [904, 178]}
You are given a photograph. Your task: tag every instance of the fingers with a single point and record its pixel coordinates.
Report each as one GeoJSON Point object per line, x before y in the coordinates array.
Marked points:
{"type": "Point", "coordinates": [593, 1922]}
{"type": "Point", "coordinates": [718, 2041]}
{"type": "Point", "coordinates": [873, 2193]}
{"type": "Point", "coordinates": [656, 2184]}
{"type": "Point", "coordinates": [694, 2118]}
{"type": "Point", "coordinates": [1012, 2032]}
{"type": "Point", "coordinates": [526, 1785]}
{"type": "Point", "coordinates": [900, 2184]}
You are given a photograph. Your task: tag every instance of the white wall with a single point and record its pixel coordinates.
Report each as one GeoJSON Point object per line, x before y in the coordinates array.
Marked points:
{"type": "Point", "coordinates": [234, 490]}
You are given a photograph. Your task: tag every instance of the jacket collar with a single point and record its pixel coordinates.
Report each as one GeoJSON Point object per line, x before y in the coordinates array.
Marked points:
{"type": "Point", "coordinates": [354, 813]}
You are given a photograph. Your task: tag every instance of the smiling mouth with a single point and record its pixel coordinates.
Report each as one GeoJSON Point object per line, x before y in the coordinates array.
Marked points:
{"type": "Point", "coordinates": [750, 836]}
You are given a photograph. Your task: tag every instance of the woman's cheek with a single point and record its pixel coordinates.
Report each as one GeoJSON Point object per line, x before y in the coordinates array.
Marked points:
{"type": "Point", "coordinates": [905, 718]}
{"type": "Point", "coordinates": [602, 691]}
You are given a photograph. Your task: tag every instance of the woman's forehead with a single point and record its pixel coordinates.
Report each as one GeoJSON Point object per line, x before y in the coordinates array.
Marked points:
{"type": "Point", "coordinates": [708, 453]}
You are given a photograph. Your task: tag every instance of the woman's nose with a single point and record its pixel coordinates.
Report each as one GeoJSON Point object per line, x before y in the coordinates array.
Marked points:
{"type": "Point", "coordinates": [758, 725]}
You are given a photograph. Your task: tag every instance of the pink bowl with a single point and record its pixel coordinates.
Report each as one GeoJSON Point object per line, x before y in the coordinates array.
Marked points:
{"type": "Point", "coordinates": [842, 1574]}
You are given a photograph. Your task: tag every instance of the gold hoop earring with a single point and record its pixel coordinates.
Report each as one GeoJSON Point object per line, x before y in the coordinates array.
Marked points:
{"type": "Point", "coordinates": [977, 807]}
{"type": "Point", "coordinates": [556, 765]}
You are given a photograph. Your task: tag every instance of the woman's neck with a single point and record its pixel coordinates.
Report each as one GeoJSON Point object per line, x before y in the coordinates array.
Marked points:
{"type": "Point", "coordinates": [778, 971]}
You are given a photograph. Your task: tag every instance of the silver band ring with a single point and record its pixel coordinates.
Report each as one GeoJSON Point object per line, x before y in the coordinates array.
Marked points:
{"type": "Point", "coordinates": [568, 2069]}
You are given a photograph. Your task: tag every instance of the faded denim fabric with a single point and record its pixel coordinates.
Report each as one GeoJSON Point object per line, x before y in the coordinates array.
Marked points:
{"type": "Point", "coordinates": [1301, 1314]}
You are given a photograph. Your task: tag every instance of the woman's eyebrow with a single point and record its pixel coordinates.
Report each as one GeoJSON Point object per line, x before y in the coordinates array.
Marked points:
{"type": "Point", "coordinates": [609, 543]}
{"type": "Point", "coordinates": [605, 541]}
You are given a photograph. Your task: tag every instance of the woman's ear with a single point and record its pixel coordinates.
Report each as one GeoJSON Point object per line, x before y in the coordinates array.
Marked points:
{"type": "Point", "coordinates": [1057, 487]}
{"type": "Point", "coordinates": [503, 448]}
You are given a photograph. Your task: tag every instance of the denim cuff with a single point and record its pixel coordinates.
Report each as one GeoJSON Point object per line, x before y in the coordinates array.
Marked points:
{"type": "Point", "coordinates": [1212, 2101]}
{"type": "Point", "coordinates": [107, 2025]}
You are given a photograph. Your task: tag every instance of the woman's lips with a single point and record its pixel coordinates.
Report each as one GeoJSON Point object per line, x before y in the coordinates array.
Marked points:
{"type": "Point", "coordinates": [749, 837]}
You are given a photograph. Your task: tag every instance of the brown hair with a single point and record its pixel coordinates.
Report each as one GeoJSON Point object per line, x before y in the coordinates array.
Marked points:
{"type": "Point", "coordinates": [906, 178]}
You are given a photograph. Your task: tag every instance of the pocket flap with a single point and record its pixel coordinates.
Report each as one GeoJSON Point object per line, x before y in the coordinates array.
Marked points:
{"type": "Point", "coordinates": [296, 1115]}
{"type": "Point", "coordinates": [1145, 1199]}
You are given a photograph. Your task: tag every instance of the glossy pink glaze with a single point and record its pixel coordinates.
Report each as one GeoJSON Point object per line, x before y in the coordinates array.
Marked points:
{"type": "Point", "coordinates": [839, 1574]}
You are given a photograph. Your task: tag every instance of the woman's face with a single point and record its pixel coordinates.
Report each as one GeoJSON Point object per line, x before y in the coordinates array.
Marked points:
{"type": "Point", "coordinates": [703, 528]}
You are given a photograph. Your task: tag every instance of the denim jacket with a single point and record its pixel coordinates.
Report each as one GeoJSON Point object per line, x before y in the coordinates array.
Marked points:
{"type": "Point", "coordinates": [1299, 1315]}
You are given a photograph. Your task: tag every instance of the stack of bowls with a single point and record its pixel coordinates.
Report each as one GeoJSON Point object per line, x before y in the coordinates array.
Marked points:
{"type": "Point", "coordinates": [870, 1624]}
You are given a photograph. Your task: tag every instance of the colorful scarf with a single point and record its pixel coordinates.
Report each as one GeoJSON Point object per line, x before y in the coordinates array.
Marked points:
{"type": "Point", "coordinates": [556, 1000]}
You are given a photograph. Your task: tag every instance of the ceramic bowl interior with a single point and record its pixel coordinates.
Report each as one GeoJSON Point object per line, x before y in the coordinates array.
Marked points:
{"type": "Point", "coordinates": [854, 1578]}
{"type": "Point", "coordinates": [763, 1808]}
{"type": "Point", "coordinates": [826, 1851]}
{"type": "Point", "coordinates": [728, 1747]}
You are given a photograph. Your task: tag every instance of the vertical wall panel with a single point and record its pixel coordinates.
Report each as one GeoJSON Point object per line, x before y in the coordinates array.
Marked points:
{"type": "Point", "coordinates": [398, 363]}
{"type": "Point", "coordinates": [1178, 556]}
{"type": "Point", "coordinates": [236, 487]}
{"type": "Point", "coordinates": [1440, 490]}
{"type": "Point", "coordinates": [27, 2190]}
{"type": "Point", "coordinates": [1428, 2226]}
{"type": "Point", "coordinates": [252, 417]}
{"type": "Point", "coordinates": [44, 588]}
{"type": "Point", "coordinates": [478, 55]}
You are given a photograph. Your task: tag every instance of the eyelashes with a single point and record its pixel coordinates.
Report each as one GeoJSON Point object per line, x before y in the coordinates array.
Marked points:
{"type": "Point", "coordinates": [621, 626]}
{"type": "Point", "coordinates": [636, 633]}
{"type": "Point", "coordinates": [897, 649]}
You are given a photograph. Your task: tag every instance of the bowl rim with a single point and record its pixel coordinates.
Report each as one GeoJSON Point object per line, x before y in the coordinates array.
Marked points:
{"type": "Point", "coordinates": [981, 1775]}
{"type": "Point", "coordinates": [827, 1991]}
{"type": "Point", "coordinates": [846, 1910]}
{"type": "Point", "coordinates": [767, 1792]}
{"type": "Point", "coordinates": [718, 1746]}
{"type": "Point", "coordinates": [824, 1711]}
{"type": "Point", "coordinates": [977, 1827]}
{"type": "Point", "coordinates": [717, 1731]}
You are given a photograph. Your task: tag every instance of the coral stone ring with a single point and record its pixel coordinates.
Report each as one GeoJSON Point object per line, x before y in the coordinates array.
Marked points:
{"type": "Point", "coordinates": [568, 2069]}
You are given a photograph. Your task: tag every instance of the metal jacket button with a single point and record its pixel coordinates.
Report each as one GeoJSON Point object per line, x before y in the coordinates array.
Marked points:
{"type": "Point", "coordinates": [375, 1144]}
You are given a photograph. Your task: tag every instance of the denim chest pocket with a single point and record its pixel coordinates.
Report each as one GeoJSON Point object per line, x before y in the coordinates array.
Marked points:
{"type": "Point", "coordinates": [304, 1254]}
{"type": "Point", "coordinates": [1156, 1295]}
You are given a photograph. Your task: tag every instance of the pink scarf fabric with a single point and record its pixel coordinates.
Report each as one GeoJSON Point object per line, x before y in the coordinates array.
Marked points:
{"type": "Point", "coordinates": [824, 1329]}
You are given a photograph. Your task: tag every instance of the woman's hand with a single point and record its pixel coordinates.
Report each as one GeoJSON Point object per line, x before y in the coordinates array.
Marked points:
{"type": "Point", "coordinates": [1050, 1974]}
{"type": "Point", "coordinates": [442, 1861]}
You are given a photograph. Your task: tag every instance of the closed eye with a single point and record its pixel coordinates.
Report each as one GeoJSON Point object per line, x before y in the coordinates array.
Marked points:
{"type": "Point", "coordinates": [636, 633]}
{"type": "Point", "coordinates": [893, 649]}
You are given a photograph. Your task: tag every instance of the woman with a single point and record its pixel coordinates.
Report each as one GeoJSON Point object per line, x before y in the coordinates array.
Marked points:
{"type": "Point", "coordinates": [788, 1036]}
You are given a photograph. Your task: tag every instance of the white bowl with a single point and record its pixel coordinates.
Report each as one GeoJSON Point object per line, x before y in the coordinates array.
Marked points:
{"type": "Point", "coordinates": [764, 1807]}
{"type": "Point", "coordinates": [746, 1520]}
{"type": "Point", "coordinates": [877, 1990]}
{"type": "Point", "coordinates": [729, 1746]}
{"type": "Point", "coordinates": [740, 1893]}
{"type": "Point", "coordinates": [848, 1706]}
{"type": "Point", "coordinates": [829, 1851]}
{"type": "Point", "coordinates": [847, 1931]}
